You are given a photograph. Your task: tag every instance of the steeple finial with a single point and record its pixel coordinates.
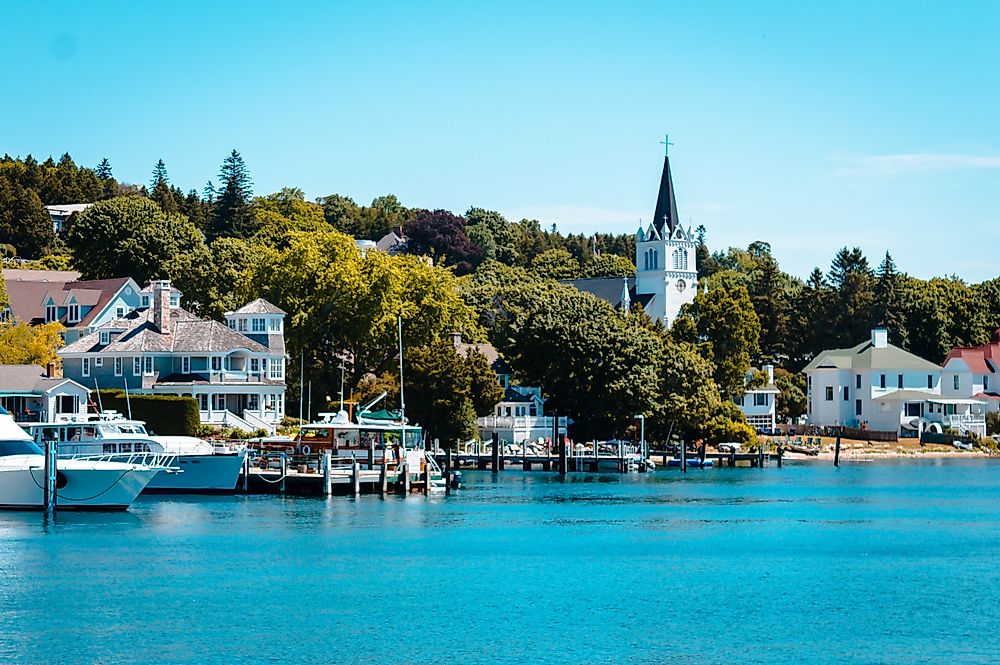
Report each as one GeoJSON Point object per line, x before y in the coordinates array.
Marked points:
{"type": "Point", "coordinates": [666, 145]}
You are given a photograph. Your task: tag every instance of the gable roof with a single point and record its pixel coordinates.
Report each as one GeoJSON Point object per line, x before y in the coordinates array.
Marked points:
{"type": "Point", "coordinates": [28, 298]}
{"type": "Point", "coordinates": [188, 334]}
{"type": "Point", "coordinates": [29, 378]}
{"type": "Point", "coordinates": [610, 289]}
{"type": "Point", "coordinates": [867, 356]}
{"type": "Point", "coordinates": [979, 359]}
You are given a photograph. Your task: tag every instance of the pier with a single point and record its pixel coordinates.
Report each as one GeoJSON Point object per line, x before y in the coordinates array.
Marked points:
{"type": "Point", "coordinates": [318, 475]}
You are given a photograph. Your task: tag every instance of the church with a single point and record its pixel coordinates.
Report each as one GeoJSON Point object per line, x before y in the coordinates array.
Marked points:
{"type": "Point", "coordinates": [666, 272]}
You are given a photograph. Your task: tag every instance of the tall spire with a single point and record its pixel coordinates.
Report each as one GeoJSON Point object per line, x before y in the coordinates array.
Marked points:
{"type": "Point", "coordinates": [665, 217]}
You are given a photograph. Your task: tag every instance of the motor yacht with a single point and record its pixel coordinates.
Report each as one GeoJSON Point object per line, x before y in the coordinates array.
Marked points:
{"type": "Point", "coordinates": [80, 484]}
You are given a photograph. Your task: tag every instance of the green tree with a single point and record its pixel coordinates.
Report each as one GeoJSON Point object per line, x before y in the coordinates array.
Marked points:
{"type": "Point", "coordinates": [232, 216]}
{"type": "Point", "coordinates": [851, 280]}
{"type": "Point", "coordinates": [791, 401]}
{"type": "Point", "coordinates": [556, 264]}
{"type": "Point", "coordinates": [609, 265]}
{"type": "Point", "coordinates": [24, 222]}
{"type": "Point", "coordinates": [104, 170]}
{"type": "Point", "coordinates": [494, 225]}
{"type": "Point", "coordinates": [24, 344]}
{"type": "Point", "coordinates": [888, 308]}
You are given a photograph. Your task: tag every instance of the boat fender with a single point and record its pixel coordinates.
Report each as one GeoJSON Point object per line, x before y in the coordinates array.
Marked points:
{"type": "Point", "coordinates": [306, 450]}
{"type": "Point", "coordinates": [61, 480]}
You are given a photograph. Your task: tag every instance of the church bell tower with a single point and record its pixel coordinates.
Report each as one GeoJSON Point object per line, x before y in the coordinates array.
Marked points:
{"type": "Point", "coordinates": [665, 255]}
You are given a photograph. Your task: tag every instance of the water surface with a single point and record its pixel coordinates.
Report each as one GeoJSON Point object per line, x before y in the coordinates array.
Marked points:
{"type": "Point", "coordinates": [881, 563]}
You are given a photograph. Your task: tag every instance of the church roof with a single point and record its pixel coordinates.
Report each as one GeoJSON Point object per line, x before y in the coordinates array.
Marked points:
{"type": "Point", "coordinates": [665, 216]}
{"type": "Point", "coordinates": [610, 289]}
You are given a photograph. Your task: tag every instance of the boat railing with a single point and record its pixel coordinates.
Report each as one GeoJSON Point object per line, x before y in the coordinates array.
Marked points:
{"type": "Point", "coordinates": [152, 460]}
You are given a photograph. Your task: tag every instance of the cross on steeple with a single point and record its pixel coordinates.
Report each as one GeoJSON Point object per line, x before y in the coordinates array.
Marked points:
{"type": "Point", "coordinates": [666, 145]}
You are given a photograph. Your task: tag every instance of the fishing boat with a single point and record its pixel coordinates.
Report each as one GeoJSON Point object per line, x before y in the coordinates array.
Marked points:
{"type": "Point", "coordinates": [80, 484]}
{"type": "Point", "coordinates": [204, 468]}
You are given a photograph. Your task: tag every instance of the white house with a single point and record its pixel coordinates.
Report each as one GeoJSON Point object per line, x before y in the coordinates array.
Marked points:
{"type": "Point", "coordinates": [973, 372]}
{"type": "Point", "coordinates": [666, 268]}
{"type": "Point", "coordinates": [33, 394]}
{"type": "Point", "coordinates": [759, 404]}
{"type": "Point", "coordinates": [60, 214]}
{"type": "Point", "coordinates": [881, 387]}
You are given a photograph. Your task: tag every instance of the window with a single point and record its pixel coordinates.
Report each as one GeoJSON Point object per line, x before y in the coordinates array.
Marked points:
{"type": "Point", "coordinates": [73, 314]}
{"type": "Point", "coordinates": [66, 404]}
{"type": "Point", "coordinates": [145, 301]}
{"type": "Point", "coordinates": [118, 366]}
{"type": "Point", "coordinates": [85, 366]}
{"type": "Point", "coordinates": [175, 300]}
{"type": "Point", "coordinates": [881, 380]}
{"type": "Point", "coordinates": [899, 381]}
{"type": "Point", "coordinates": [857, 407]}
{"type": "Point", "coordinates": [186, 365]}
{"type": "Point", "coordinates": [274, 325]}
{"type": "Point", "coordinates": [847, 393]}
{"type": "Point", "coordinates": [986, 382]}
{"type": "Point", "coordinates": [913, 410]}
{"type": "Point", "coordinates": [98, 361]}
{"type": "Point", "coordinates": [147, 365]}
{"type": "Point", "coordinates": [203, 402]}
{"type": "Point", "coordinates": [120, 312]}
{"type": "Point", "coordinates": [258, 325]}
{"type": "Point", "coordinates": [216, 364]}
{"type": "Point", "coordinates": [255, 364]}
{"type": "Point", "coordinates": [829, 393]}
{"type": "Point", "coordinates": [656, 260]}
{"type": "Point", "coordinates": [930, 380]}
{"type": "Point", "coordinates": [136, 366]}
{"type": "Point", "coordinates": [680, 258]}
{"type": "Point", "coordinates": [760, 399]}
{"type": "Point", "coordinates": [277, 368]}
{"type": "Point", "coordinates": [51, 313]}
{"type": "Point", "coordinates": [241, 325]}
{"type": "Point", "coordinates": [857, 382]}
{"type": "Point", "coordinates": [105, 337]}
{"type": "Point", "coordinates": [231, 323]}
{"type": "Point", "coordinates": [955, 381]}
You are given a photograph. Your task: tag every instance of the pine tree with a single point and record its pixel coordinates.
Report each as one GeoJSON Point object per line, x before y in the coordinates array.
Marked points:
{"type": "Point", "coordinates": [209, 192]}
{"type": "Point", "coordinates": [159, 175]}
{"type": "Point", "coordinates": [104, 169]}
{"type": "Point", "coordinates": [851, 278]}
{"type": "Point", "coordinates": [231, 215]}
{"type": "Point", "coordinates": [888, 307]}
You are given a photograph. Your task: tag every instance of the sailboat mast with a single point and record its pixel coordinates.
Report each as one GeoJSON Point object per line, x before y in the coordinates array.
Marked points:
{"type": "Point", "coordinates": [402, 402]}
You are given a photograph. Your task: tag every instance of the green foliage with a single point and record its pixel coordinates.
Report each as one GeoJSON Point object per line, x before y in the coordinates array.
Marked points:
{"type": "Point", "coordinates": [24, 222]}
{"type": "Point", "coordinates": [556, 264]}
{"type": "Point", "coordinates": [232, 214]}
{"type": "Point", "coordinates": [993, 423]}
{"type": "Point", "coordinates": [446, 391]}
{"type": "Point", "coordinates": [609, 265]}
{"type": "Point", "coordinates": [166, 415]}
{"type": "Point", "coordinates": [23, 344]}
{"type": "Point", "coordinates": [791, 403]}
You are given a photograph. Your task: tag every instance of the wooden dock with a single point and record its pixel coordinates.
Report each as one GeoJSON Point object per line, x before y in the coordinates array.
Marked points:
{"type": "Point", "coordinates": [317, 475]}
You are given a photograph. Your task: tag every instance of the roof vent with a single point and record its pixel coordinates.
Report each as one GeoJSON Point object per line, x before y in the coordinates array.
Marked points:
{"type": "Point", "coordinates": [880, 338]}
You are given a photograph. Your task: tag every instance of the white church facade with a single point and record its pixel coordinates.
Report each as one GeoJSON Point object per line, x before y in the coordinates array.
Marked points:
{"type": "Point", "coordinates": [666, 271]}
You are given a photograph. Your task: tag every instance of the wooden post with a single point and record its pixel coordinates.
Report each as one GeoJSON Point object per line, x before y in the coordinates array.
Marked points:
{"type": "Point", "coordinates": [327, 473]}
{"type": "Point", "coordinates": [621, 457]}
{"type": "Point", "coordinates": [562, 455]}
{"type": "Point", "coordinates": [781, 451]}
{"type": "Point", "coordinates": [406, 478]}
{"type": "Point", "coordinates": [684, 456]}
{"type": "Point", "coordinates": [427, 476]}
{"type": "Point", "coordinates": [836, 452]}
{"type": "Point", "coordinates": [246, 472]}
{"type": "Point", "coordinates": [496, 453]}
{"type": "Point", "coordinates": [701, 453]}
{"type": "Point", "coordinates": [371, 454]}
{"type": "Point", "coordinates": [760, 455]}
{"type": "Point", "coordinates": [447, 473]}
{"type": "Point", "coordinates": [732, 457]}
{"type": "Point", "coordinates": [383, 478]}
{"type": "Point", "coordinates": [355, 477]}
{"type": "Point", "coordinates": [49, 491]}
{"type": "Point", "coordinates": [284, 470]}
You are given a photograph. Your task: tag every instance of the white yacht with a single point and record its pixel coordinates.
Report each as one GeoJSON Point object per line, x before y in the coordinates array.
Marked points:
{"type": "Point", "coordinates": [80, 484]}
{"type": "Point", "coordinates": [203, 467]}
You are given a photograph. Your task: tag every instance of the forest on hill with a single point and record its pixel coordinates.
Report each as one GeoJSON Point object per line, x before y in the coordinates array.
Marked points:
{"type": "Point", "coordinates": [488, 278]}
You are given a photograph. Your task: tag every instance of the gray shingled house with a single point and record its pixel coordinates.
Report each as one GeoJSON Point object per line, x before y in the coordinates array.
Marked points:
{"type": "Point", "coordinates": [236, 372]}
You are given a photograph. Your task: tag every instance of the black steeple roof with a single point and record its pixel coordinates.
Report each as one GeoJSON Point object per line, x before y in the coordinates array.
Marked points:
{"type": "Point", "coordinates": [665, 217]}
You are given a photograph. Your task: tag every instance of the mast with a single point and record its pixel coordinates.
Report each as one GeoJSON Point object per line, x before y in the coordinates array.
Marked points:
{"type": "Point", "coordinates": [402, 402]}
{"type": "Point", "coordinates": [341, 385]}
{"type": "Point", "coordinates": [128, 402]}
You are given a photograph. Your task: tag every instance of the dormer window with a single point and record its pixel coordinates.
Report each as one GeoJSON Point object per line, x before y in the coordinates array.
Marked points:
{"type": "Point", "coordinates": [51, 313]}
{"type": "Point", "coordinates": [73, 314]}
{"type": "Point", "coordinates": [145, 301]}
{"type": "Point", "coordinates": [120, 312]}
{"type": "Point", "coordinates": [258, 325]}
{"type": "Point", "coordinates": [175, 300]}
{"type": "Point", "coordinates": [105, 338]}
{"type": "Point", "coordinates": [274, 325]}
{"type": "Point", "coordinates": [241, 325]}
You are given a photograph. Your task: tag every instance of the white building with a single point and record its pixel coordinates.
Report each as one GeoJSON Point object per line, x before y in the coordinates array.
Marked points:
{"type": "Point", "coordinates": [880, 387]}
{"type": "Point", "coordinates": [665, 258]}
{"type": "Point", "coordinates": [759, 404]}
{"type": "Point", "coordinates": [61, 213]}
{"type": "Point", "coordinates": [33, 394]}
{"type": "Point", "coordinates": [973, 372]}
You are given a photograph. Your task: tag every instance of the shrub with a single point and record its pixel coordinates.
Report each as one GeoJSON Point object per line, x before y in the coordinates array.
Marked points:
{"type": "Point", "coordinates": [163, 414]}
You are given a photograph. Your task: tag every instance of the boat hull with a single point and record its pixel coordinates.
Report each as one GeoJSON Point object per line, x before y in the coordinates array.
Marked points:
{"type": "Point", "coordinates": [200, 474]}
{"type": "Point", "coordinates": [83, 485]}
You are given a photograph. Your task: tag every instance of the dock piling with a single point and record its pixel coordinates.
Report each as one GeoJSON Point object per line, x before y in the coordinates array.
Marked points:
{"type": "Point", "coordinates": [684, 456]}
{"type": "Point", "coordinates": [562, 454]}
{"type": "Point", "coordinates": [284, 470]}
{"type": "Point", "coordinates": [327, 473]}
{"type": "Point", "coordinates": [383, 478]}
{"type": "Point", "coordinates": [836, 452]}
{"type": "Point", "coordinates": [496, 453]}
{"type": "Point", "coordinates": [355, 477]}
{"type": "Point", "coordinates": [404, 480]}
{"type": "Point", "coordinates": [49, 493]}
{"type": "Point", "coordinates": [760, 455]}
{"type": "Point", "coordinates": [781, 452]}
{"type": "Point", "coordinates": [447, 473]}
{"type": "Point", "coordinates": [246, 473]}
{"type": "Point", "coordinates": [427, 478]}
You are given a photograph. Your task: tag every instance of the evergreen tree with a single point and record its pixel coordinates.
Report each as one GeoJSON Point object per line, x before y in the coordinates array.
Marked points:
{"type": "Point", "coordinates": [851, 279]}
{"type": "Point", "coordinates": [24, 222]}
{"type": "Point", "coordinates": [888, 307]}
{"type": "Point", "coordinates": [159, 175]}
{"type": "Point", "coordinates": [232, 217]}
{"type": "Point", "coordinates": [209, 193]}
{"type": "Point", "coordinates": [104, 169]}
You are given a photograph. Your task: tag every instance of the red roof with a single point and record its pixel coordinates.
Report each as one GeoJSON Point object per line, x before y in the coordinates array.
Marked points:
{"type": "Point", "coordinates": [980, 359]}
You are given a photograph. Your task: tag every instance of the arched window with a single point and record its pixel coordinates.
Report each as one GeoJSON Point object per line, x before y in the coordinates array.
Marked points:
{"type": "Point", "coordinates": [680, 259]}
{"type": "Point", "coordinates": [645, 260]}
{"type": "Point", "coordinates": [656, 260]}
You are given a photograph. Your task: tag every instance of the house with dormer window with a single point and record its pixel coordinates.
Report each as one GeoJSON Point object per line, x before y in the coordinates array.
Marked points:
{"type": "Point", "coordinates": [237, 379]}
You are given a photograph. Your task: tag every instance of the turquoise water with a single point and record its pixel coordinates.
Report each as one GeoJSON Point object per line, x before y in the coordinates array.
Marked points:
{"type": "Point", "coordinates": [879, 563]}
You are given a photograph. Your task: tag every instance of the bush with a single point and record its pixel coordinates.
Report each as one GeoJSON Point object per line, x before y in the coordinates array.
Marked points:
{"type": "Point", "coordinates": [993, 422]}
{"type": "Point", "coordinates": [163, 414]}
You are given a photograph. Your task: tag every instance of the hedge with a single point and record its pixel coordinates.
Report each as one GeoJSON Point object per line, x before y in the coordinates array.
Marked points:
{"type": "Point", "coordinates": [168, 415]}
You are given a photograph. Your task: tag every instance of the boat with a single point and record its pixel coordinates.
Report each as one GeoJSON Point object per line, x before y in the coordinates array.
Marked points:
{"type": "Point", "coordinates": [692, 462]}
{"type": "Point", "coordinates": [205, 468]}
{"type": "Point", "coordinates": [80, 484]}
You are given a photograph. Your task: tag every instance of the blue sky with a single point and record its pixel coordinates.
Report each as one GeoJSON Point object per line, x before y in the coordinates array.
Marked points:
{"type": "Point", "coordinates": [807, 126]}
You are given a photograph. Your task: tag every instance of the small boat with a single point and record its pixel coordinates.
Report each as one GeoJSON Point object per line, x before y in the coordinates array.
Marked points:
{"type": "Point", "coordinates": [692, 462]}
{"type": "Point", "coordinates": [80, 484]}
{"type": "Point", "coordinates": [962, 445]}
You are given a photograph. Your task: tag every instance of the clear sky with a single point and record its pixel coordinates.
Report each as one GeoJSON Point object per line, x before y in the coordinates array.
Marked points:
{"type": "Point", "coordinates": [808, 125]}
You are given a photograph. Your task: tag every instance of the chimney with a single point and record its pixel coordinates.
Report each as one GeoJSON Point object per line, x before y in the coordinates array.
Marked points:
{"type": "Point", "coordinates": [880, 338]}
{"type": "Point", "coordinates": [161, 305]}
{"type": "Point", "coordinates": [50, 370]}
{"type": "Point", "coordinates": [456, 338]}
{"type": "Point", "coordinates": [769, 369]}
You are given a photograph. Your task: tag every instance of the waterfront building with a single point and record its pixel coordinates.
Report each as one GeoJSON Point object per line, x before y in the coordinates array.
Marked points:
{"type": "Point", "coordinates": [666, 267]}
{"type": "Point", "coordinates": [61, 213]}
{"type": "Point", "coordinates": [878, 386]}
{"type": "Point", "coordinates": [971, 371]}
{"type": "Point", "coordinates": [520, 415]}
{"type": "Point", "coordinates": [81, 306]}
{"type": "Point", "coordinates": [34, 394]}
{"type": "Point", "coordinates": [235, 371]}
{"type": "Point", "coordinates": [759, 403]}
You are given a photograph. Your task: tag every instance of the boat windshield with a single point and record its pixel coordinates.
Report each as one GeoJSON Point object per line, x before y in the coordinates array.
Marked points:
{"type": "Point", "coordinates": [19, 448]}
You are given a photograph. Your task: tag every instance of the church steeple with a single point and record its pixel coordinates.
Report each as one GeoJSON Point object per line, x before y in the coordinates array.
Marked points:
{"type": "Point", "coordinates": [665, 218]}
